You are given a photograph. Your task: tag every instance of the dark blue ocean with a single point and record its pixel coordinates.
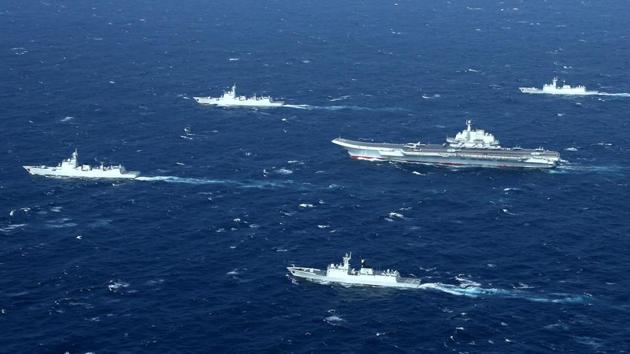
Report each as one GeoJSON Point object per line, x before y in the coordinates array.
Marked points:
{"type": "Point", "coordinates": [193, 257]}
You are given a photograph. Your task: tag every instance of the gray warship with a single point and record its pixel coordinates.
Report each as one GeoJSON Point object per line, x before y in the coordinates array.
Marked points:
{"type": "Point", "coordinates": [342, 273]}
{"type": "Point", "coordinates": [469, 148]}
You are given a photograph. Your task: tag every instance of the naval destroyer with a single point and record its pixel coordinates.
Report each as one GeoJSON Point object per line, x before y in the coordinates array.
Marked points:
{"type": "Point", "coordinates": [366, 276]}
{"type": "Point", "coordinates": [554, 89]}
{"type": "Point", "coordinates": [70, 167]}
{"type": "Point", "coordinates": [230, 99]}
{"type": "Point", "coordinates": [469, 148]}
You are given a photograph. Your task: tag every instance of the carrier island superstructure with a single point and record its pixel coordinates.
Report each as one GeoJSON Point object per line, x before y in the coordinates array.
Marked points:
{"type": "Point", "coordinates": [469, 148]}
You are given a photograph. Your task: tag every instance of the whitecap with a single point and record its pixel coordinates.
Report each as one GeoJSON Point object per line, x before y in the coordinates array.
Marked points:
{"type": "Point", "coordinates": [571, 149]}
{"type": "Point", "coordinates": [19, 50]}
{"type": "Point", "coordinates": [115, 286]}
{"type": "Point", "coordinates": [306, 205]}
{"type": "Point", "coordinates": [334, 320]}
{"type": "Point", "coordinates": [396, 215]}
{"type": "Point", "coordinates": [11, 227]}
{"type": "Point", "coordinates": [283, 171]}
{"type": "Point", "coordinates": [340, 98]}
{"type": "Point", "coordinates": [506, 211]}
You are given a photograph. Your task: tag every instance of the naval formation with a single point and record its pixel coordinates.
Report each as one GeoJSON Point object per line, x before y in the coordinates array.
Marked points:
{"type": "Point", "coordinates": [469, 148]}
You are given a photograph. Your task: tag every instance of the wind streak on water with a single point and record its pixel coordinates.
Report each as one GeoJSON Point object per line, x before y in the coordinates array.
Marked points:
{"type": "Point", "coordinates": [474, 291]}
{"type": "Point", "coordinates": [226, 182]}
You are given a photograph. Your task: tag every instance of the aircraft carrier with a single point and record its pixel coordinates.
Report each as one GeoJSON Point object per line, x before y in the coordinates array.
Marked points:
{"type": "Point", "coordinates": [469, 148]}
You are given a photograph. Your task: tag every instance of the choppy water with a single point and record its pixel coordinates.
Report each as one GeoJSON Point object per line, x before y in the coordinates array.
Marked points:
{"type": "Point", "coordinates": [192, 257]}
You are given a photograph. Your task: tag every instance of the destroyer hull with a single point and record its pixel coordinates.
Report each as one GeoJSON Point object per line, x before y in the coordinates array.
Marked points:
{"type": "Point", "coordinates": [91, 174]}
{"type": "Point", "coordinates": [319, 276]}
{"type": "Point", "coordinates": [537, 91]}
{"type": "Point", "coordinates": [213, 102]}
{"type": "Point", "coordinates": [445, 156]}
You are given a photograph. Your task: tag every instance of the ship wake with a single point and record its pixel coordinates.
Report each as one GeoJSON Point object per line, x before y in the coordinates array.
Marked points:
{"type": "Point", "coordinates": [578, 168]}
{"type": "Point", "coordinates": [258, 184]}
{"type": "Point", "coordinates": [475, 291]}
{"type": "Point", "coordinates": [342, 108]}
{"type": "Point", "coordinates": [620, 94]}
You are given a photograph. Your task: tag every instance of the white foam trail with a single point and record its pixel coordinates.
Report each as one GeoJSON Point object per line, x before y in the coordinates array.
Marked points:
{"type": "Point", "coordinates": [340, 108]}
{"type": "Point", "coordinates": [576, 168]}
{"type": "Point", "coordinates": [620, 94]}
{"type": "Point", "coordinates": [476, 291]}
{"type": "Point", "coordinates": [226, 182]}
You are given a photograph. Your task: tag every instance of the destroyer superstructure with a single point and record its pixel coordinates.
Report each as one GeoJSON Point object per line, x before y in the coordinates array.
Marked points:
{"type": "Point", "coordinates": [469, 148]}
{"type": "Point", "coordinates": [70, 167]}
{"type": "Point", "coordinates": [230, 99]}
{"type": "Point", "coordinates": [342, 273]}
{"type": "Point", "coordinates": [554, 89]}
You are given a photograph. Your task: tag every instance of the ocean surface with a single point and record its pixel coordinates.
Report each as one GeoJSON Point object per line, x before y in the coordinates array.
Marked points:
{"type": "Point", "coordinates": [192, 257]}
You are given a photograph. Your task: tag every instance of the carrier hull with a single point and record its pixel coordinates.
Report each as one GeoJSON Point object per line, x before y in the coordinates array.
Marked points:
{"type": "Point", "coordinates": [433, 154]}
